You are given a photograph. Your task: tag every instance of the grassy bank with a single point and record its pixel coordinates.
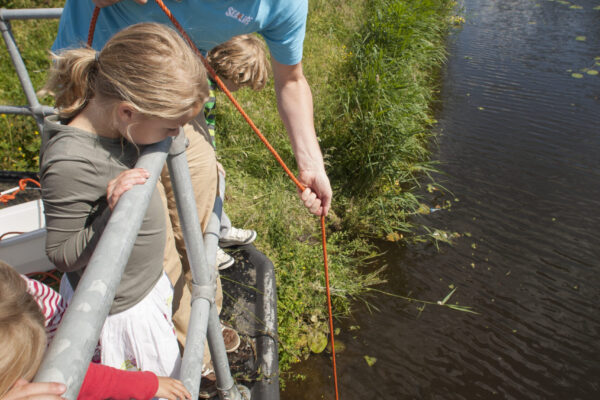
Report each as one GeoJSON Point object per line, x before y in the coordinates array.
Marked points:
{"type": "Point", "coordinates": [372, 66]}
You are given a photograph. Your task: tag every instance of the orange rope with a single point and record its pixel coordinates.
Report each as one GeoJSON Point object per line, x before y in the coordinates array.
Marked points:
{"type": "Point", "coordinates": [324, 236]}
{"type": "Point", "coordinates": [5, 198]}
{"type": "Point", "coordinates": [50, 278]}
{"type": "Point", "coordinates": [93, 26]}
{"type": "Point", "coordinates": [300, 186]}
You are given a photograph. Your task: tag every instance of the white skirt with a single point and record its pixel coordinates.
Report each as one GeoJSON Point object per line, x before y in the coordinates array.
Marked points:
{"type": "Point", "coordinates": [141, 338]}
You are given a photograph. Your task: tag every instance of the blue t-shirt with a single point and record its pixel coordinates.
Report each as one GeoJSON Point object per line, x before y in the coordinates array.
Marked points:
{"type": "Point", "coordinates": [208, 22]}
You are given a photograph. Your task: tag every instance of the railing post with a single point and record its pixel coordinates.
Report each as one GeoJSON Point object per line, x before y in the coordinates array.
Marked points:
{"type": "Point", "coordinates": [70, 352]}
{"type": "Point", "coordinates": [201, 250]}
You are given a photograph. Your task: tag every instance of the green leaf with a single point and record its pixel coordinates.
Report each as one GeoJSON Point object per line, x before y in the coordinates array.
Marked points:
{"type": "Point", "coordinates": [577, 75]}
{"type": "Point", "coordinates": [317, 342]}
{"type": "Point", "coordinates": [370, 360]}
{"type": "Point", "coordinates": [423, 209]}
{"type": "Point", "coordinates": [592, 72]}
{"type": "Point", "coordinates": [580, 38]}
{"type": "Point", "coordinates": [340, 346]}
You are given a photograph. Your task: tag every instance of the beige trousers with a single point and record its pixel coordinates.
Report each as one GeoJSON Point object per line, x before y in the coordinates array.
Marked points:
{"type": "Point", "coordinates": [203, 170]}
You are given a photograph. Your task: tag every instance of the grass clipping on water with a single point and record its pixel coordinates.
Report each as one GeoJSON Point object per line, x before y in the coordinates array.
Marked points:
{"type": "Point", "coordinates": [373, 71]}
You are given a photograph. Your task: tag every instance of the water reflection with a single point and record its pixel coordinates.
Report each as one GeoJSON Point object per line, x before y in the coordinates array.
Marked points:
{"type": "Point", "coordinates": [520, 148]}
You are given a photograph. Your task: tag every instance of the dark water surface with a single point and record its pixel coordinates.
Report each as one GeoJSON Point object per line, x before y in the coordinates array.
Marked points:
{"type": "Point", "coordinates": [520, 146]}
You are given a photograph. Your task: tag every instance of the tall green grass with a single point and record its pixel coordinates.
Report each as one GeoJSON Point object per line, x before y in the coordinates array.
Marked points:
{"type": "Point", "coordinates": [379, 149]}
{"type": "Point", "coordinates": [373, 69]}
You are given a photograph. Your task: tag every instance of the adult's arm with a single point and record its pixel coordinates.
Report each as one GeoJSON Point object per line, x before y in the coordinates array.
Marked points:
{"type": "Point", "coordinates": [295, 105]}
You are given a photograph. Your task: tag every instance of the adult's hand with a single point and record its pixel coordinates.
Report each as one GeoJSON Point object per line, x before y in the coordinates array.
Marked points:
{"type": "Point", "coordinates": [106, 3]}
{"type": "Point", "coordinates": [24, 390]}
{"type": "Point", "coordinates": [294, 101]}
{"type": "Point", "coordinates": [317, 195]}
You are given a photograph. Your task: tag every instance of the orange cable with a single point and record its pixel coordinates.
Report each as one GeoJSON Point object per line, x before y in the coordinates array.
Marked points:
{"type": "Point", "coordinates": [323, 235]}
{"type": "Point", "coordinates": [300, 186]}
{"type": "Point", "coordinates": [5, 198]}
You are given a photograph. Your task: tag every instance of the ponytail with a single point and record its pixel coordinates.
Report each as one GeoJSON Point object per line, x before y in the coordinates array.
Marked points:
{"type": "Point", "coordinates": [72, 80]}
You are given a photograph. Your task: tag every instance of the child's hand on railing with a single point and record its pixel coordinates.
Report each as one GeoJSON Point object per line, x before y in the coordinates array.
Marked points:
{"type": "Point", "coordinates": [124, 182]}
{"type": "Point", "coordinates": [172, 389]}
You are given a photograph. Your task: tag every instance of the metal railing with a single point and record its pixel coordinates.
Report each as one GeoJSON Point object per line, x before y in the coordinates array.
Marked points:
{"type": "Point", "coordinates": [35, 109]}
{"type": "Point", "coordinates": [71, 350]}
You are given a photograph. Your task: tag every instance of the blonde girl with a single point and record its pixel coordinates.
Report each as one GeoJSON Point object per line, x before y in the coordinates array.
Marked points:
{"type": "Point", "coordinates": [139, 89]}
{"type": "Point", "coordinates": [22, 332]}
{"type": "Point", "coordinates": [29, 312]}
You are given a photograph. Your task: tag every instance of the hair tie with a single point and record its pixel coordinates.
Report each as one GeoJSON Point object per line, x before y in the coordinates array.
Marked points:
{"type": "Point", "coordinates": [97, 56]}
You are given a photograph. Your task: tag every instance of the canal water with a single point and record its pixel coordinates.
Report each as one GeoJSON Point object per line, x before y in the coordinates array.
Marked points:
{"type": "Point", "coordinates": [519, 147]}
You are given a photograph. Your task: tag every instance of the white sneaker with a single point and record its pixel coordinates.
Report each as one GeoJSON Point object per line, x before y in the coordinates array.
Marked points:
{"type": "Point", "coordinates": [224, 260]}
{"type": "Point", "coordinates": [237, 237]}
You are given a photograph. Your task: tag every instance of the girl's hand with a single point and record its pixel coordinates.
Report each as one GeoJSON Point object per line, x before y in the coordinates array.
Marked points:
{"type": "Point", "coordinates": [124, 182]}
{"type": "Point", "coordinates": [172, 389]}
{"type": "Point", "coordinates": [23, 390]}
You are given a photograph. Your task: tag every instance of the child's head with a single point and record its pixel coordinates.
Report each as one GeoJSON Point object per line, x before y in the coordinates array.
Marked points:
{"type": "Point", "coordinates": [22, 332]}
{"type": "Point", "coordinates": [147, 66]}
{"type": "Point", "coordinates": [242, 60]}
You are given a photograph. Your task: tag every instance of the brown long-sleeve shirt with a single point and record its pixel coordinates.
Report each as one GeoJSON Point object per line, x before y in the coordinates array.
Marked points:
{"type": "Point", "coordinates": [75, 168]}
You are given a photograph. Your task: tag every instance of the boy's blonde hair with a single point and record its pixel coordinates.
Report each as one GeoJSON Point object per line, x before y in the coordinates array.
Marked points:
{"type": "Point", "coordinates": [243, 60]}
{"type": "Point", "coordinates": [22, 332]}
{"type": "Point", "coordinates": [147, 65]}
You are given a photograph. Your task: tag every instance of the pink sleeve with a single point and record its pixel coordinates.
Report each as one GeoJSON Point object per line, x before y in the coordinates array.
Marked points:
{"type": "Point", "coordinates": [51, 303]}
{"type": "Point", "coordinates": [104, 382]}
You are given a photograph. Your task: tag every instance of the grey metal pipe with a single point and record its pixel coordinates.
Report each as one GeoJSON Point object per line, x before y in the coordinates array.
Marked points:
{"type": "Point", "coordinates": [35, 109]}
{"type": "Point", "coordinates": [21, 70]}
{"type": "Point", "coordinates": [225, 384]}
{"type": "Point", "coordinates": [70, 352]}
{"type": "Point", "coordinates": [30, 13]}
{"type": "Point", "coordinates": [24, 110]}
{"type": "Point", "coordinates": [201, 251]}
{"type": "Point", "coordinates": [191, 367]}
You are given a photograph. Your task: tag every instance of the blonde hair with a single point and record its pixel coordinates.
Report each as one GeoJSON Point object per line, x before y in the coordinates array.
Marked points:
{"type": "Point", "coordinates": [22, 331]}
{"type": "Point", "coordinates": [147, 65]}
{"type": "Point", "coordinates": [243, 60]}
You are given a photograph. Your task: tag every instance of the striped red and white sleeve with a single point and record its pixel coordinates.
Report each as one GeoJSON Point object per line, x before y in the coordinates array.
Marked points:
{"type": "Point", "coordinates": [51, 303]}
